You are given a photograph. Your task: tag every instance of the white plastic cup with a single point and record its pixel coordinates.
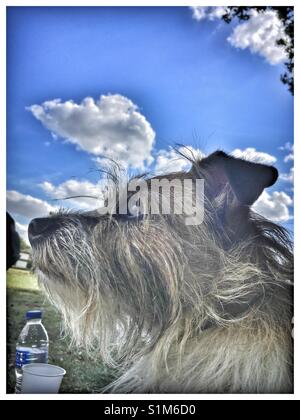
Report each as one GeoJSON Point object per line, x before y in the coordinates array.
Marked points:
{"type": "Point", "coordinates": [41, 378]}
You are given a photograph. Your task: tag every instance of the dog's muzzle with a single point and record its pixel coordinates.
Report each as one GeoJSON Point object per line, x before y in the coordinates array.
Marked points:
{"type": "Point", "coordinates": [42, 228]}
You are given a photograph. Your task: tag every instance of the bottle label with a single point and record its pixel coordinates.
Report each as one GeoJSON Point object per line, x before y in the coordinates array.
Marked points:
{"type": "Point", "coordinates": [22, 358]}
{"type": "Point", "coordinates": [26, 355]}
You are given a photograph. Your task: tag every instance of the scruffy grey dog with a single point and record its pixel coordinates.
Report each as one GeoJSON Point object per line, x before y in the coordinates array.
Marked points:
{"type": "Point", "coordinates": [179, 309]}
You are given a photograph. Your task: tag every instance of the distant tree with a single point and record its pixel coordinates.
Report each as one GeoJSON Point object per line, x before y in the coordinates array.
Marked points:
{"type": "Point", "coordinates": [24, 246]}
{"type": "Point", "coordinates": [286, 16]}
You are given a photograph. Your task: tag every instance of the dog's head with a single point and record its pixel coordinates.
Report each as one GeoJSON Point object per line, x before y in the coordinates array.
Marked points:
{"type": "Point", "coordinates": [127, 278]}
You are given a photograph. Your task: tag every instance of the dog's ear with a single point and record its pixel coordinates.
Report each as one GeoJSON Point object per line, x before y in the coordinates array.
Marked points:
{"type": "Point", "coordinates": [247, 179]}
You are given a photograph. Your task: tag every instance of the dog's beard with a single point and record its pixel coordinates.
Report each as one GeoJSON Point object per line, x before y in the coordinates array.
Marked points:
{"type": "Point", "coordinates": [129, 287]}
{"type": "Point", "coordinates": [68, 272]}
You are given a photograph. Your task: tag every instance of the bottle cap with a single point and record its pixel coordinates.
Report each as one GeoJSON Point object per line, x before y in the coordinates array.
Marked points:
{"type": "Point", "coordinates": [34, 315]}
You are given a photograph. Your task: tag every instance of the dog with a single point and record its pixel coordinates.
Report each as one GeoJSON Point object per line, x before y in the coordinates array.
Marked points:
{"type": "Point", "coordinates": [175, 307]}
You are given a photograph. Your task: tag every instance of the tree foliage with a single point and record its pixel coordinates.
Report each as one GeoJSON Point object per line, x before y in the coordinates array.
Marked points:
{"type": "Point", "coordinates": [286, 16]}
{"type": "Point", "coordinates": [24, 246]}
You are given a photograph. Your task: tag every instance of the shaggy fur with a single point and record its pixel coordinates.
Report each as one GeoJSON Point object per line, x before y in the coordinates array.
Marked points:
{"type": "Point", "coordinates": [177, 308]}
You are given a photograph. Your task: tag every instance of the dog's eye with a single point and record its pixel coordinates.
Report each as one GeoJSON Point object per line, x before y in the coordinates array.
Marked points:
{"type": "Point", "coordinates": [135, 211]}
{"type": "Point", "coordinates": [128, 216]}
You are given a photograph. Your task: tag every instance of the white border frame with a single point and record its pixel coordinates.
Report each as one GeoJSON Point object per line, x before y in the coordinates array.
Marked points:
{"type": "Point", "coordinates": [114, 397]}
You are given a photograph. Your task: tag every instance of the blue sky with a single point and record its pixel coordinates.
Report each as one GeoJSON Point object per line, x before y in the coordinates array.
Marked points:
{"type": "Point", "coordinates": [181, 78]}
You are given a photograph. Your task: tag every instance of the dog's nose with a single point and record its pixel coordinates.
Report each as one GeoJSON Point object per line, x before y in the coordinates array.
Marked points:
{"type": "Point", "coordinates": [41, 228]}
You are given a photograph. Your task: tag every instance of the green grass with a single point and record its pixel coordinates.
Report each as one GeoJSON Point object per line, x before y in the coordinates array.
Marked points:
{"type": "Point", "coordinates": [21, 279]}
{"type": "Point", "coordinates": [83, 375]}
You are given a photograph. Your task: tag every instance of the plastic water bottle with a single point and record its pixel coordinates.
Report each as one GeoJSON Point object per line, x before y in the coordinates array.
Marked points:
{"type": "Point", "coordinates": [32, 345]}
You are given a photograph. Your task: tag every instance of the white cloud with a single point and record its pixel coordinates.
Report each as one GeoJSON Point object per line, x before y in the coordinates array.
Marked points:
{"type": "Point", "coordinates": [274, 206]}
{"type": "Point", "coordinates": [22, 231]}
{"type": "Point", "coordinates": [260, 34]}
{"type": "Point", "coordinates": [171, 161]}
{"type": "Point", "coordinates": [287, 146]}
{"type": "Point", "coordinates": [26, 205]}
{"type": "Point", "coordinates": [289, 157]}
{"type": "Point", "coordinates": [254, 156]}
{"type": "Point", "coordinates": [71, 188]}
{"type": "Point", "coordinates": [208, 12]}
{"type": "Point", "coordinates": [111, 126]}
{"type": "Point", "coordinates": [288, 177]}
